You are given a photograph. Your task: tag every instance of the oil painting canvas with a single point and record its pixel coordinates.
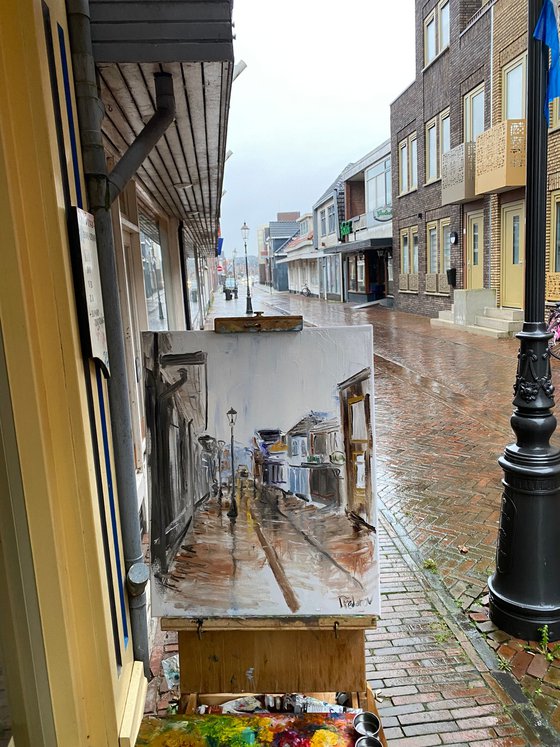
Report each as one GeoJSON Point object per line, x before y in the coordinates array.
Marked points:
{"type": "Point", "coordinates": [262, 473]}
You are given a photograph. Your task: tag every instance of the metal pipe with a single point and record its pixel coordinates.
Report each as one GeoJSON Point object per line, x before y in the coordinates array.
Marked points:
{"type": "Point", "coordinates": [147, 139]}
{"type": "Point", "coordinates": [101, 192]}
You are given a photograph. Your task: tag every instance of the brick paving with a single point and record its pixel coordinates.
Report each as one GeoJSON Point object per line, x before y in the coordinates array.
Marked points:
{"type": "Point", "coordinates": [444, 675]}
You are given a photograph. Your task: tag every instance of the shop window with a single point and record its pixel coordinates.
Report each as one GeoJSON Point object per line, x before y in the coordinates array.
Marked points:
{"type": "Point", "coordinates": [409, 250]}
{"type": "Point", "coordinates": [154, 276]}
{"type": "Point", "coordinates": [356, 274]}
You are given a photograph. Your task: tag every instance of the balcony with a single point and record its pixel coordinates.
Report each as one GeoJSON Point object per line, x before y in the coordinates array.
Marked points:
{"type": "Point", "coordinates": [457, 174]}
{"type": "Point", "coordinates": [500, 157]}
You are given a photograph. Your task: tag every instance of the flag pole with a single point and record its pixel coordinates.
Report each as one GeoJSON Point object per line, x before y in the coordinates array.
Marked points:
{"type": "Point", "coordinates": [524, 589]}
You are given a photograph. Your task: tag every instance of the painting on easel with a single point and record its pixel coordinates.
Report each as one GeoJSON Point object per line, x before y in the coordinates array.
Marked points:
{"type": "Point", "coordinates": [262, 473]}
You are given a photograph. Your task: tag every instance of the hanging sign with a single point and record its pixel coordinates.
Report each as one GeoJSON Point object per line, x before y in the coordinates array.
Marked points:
{"type": "Point", "coordinates": [88, 286]}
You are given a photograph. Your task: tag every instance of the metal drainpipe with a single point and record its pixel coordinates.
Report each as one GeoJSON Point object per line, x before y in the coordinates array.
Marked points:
{"type": "Point", "coordinates": [102, 190]}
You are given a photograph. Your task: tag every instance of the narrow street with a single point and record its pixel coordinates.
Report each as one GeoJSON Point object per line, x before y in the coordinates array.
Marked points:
{"type": "Point", "coordinates": [268, 558]}
{"type": "Point", "coordinates": [443, 672]}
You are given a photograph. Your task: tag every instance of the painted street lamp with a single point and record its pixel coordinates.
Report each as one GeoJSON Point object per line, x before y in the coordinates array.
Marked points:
{"type": "Point", "coordinates": [245, 235]}
{"type": "Point", "coordinates": [524, 590]}
{"type": "Point", "coordinates": [232, 513]}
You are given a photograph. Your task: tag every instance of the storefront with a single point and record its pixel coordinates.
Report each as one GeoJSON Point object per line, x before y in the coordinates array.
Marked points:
{"type": "Point", "coordinates": [366, 270]}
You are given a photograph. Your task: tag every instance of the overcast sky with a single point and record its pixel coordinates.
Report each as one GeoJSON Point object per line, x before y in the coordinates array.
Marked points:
{"type": "Point", "coordinates": [315, 96]}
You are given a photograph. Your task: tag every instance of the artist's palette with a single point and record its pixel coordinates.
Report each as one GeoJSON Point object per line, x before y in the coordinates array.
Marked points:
{"type": "Point", "coordinates": [269, 730]}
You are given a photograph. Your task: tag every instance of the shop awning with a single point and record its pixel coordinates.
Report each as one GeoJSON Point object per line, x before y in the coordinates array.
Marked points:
{"type": "Point", "coordinates": [360, 246]}
{"type": "Point", "coordinates": [295, 257]}
{"type": "Point", "coordinates": [192, 41]}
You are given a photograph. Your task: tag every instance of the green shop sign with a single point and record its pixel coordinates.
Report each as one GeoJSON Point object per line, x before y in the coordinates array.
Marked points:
{"type": "Point", "coordinates": [345, 228]}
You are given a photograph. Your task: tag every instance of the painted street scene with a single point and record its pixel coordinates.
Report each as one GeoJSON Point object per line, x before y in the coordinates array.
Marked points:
{"type": "Point", "coordinates": [280, 520]}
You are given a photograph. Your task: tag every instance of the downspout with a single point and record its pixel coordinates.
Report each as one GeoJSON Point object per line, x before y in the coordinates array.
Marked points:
{"type": "Point", "coordinates": [102, 190]}
{"type": "Point", "coordinates": [184, 276]}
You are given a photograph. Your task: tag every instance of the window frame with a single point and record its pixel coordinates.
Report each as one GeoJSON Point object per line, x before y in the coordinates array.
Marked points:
{"type": "Point", "coordinates": [554, 234]}
{"type": "Point", "coordinates": [431, 126]}
{"type": "Point", "coordinates": [519, 60]}
{"type": "Point", "coordinates": [432, 226]}
{"type": "Point", "coordinates": [467, 111]}
{"type": "Point", "coordinates": [331, 219]}
{"type": "Point", "coordinates": [443, 224]}
{"type": "Point", "coordinates": [441, 44]}
{"type": "Point", "coordinates": [442, 116]}
{"type": "Point", "coordinates": [323, 222]}
{"type": "Point", "coordinates": [430, 18]}
{"type": "Point", "coordinates": [409, 233]}
{"type": "Point", "coordinates": [411, 164]}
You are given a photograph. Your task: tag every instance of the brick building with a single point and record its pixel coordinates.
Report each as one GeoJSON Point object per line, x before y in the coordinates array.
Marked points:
{"type": "Point", "coordinates": [439, 115]}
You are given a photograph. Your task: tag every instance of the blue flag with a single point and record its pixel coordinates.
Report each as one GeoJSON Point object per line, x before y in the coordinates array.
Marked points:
{"type": "Point", "coordinates": [546, 31]}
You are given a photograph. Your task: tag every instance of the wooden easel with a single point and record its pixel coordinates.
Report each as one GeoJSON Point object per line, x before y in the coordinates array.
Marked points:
{"type": "Point", "coordinates": [308, 655]}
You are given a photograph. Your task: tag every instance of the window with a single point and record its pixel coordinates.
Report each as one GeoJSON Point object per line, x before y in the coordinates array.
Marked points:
{"type": "Point", "coordinates": [436, 32]}
{"type": "Point", "coordinates": [514, 86]}
{"type": "Point", "coordinates": [408, 164]}
{"type": "Point", "coordinates": [444, 25]}
{"type": "Point", "coordinates": [303, 228]}
{"type": "Point", "coordinates": [473, 108]}
{"type": "Point", "coordinates": [555, 233]}
{"type": "Point", "coordinates": [154, 274]}
{"type": "Point", "coordinates": [323, 223]}
{"type": "Point", "coordinates": [437, 143]}
{"type": "Point", "coordinates": [438, 246]}
{"type": "Point", "coordinates": [378, 186]}
{"type": "Point", "coordinates": [445, 130]}
{"type": "Point", "coordinates": [432, 247]}
{"type": "Point", "coordinates": [332, 226]}
{"type": "Point", "coordinates": [409, 250]}
{"type": "Point", "coordinates": [357, 273]}
{"type": "Point", "coordinates": [445, 241]}
{"type": "Point", "coordinates": [413, 163]}
{"type": "Point", "coordinates": [405, 252]}
{"type": "Point", "coordinates": [430, 38]}
{"type": "Point", "coordinates": [432, 170]}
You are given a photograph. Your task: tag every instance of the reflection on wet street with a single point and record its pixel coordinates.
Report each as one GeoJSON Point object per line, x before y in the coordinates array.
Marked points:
{"type": "Point", "coordinates": [279, 555]}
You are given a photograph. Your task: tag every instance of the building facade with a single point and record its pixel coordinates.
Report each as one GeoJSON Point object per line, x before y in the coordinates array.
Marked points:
{"type": "Point", "coordinates": [95, 250]}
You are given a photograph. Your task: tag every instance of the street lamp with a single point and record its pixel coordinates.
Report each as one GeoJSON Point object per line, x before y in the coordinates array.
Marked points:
{"type": "Point", "coordinates": [245, 234]}
{"type": "Point", "coordinates": [524, 590]}
{"type": "Point", "coordinates": [232, 513]}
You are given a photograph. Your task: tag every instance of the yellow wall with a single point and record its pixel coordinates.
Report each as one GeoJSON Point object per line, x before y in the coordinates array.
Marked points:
{"type": "Point", "coordinates": [47, 382]}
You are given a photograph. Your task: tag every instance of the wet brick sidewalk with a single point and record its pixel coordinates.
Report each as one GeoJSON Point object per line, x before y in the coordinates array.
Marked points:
{"type": "Point", "coordinates": [445, 675]}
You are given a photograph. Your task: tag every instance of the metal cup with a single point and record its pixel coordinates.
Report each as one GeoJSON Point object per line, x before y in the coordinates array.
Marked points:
{"type": "Point", "coordinates": [368, 742]}
{"type": "Point", "coordinates": [367, 723]}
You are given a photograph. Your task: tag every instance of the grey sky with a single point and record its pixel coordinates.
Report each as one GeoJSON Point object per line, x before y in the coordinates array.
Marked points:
{"type": "Point", "coordinates": [315, 96]}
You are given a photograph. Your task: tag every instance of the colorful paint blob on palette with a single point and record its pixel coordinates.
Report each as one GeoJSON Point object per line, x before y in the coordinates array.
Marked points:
{"type": "Point", "coordinates": [276, 730]}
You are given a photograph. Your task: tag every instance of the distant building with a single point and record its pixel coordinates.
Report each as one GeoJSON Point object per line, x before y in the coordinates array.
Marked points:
{"type": "Point", "coordinates": [280, 232]}
{"type": "Point", "coordinates": [302, 259]}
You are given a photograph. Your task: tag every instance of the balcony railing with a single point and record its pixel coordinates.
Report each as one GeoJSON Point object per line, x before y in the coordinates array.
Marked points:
{"type": "Point", "coordinates": [457, 174]}
{"type": "Point", "coordinates": [500, 157]}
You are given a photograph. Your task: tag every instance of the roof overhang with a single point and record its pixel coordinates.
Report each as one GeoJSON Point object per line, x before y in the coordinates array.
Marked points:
{"type": "Point", "coordinates": [292, 257]}
{"type": "Point", "coordinates": [192, 40]}
{"type": "Point", "coordinates": [360, 246]}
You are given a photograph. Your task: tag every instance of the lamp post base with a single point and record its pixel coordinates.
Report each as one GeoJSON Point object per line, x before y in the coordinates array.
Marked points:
{"type": "Point", "coordinates": [524, 590]}
{"type": "Point", "coordinates": [249, 307]}
{"type": "Point", "coordinates": [522, 621]}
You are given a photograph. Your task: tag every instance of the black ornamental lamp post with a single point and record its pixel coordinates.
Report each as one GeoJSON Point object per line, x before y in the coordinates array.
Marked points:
{"type": "Point", "coordinates": [525, 588]}
{"type": "Point", "coordinates": [232, 513]}
{"type": "Point", "coordinates": [245, 234]}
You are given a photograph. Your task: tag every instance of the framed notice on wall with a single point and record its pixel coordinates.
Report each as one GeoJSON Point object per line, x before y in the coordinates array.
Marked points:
{"type": "Point", "coordinates": [87, 282]}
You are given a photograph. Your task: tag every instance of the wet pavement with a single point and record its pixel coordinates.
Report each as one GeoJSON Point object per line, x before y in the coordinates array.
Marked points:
{"type": "Point", "coordinates": [279, 555]}
{"type": "Point", "coordinates": [443, 673]}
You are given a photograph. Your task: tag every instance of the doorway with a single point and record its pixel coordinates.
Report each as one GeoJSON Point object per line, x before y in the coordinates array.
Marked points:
{"type": "Point", "coordinates": [513, 254]}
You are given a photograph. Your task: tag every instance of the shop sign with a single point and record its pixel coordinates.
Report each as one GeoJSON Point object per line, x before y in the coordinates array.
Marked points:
{"type": "Point", "coordinates": [345, 228]}
{"type": "Point", "coordinates": [88, 286]}
{"type": "Point", "coordinates": [383, 214]}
